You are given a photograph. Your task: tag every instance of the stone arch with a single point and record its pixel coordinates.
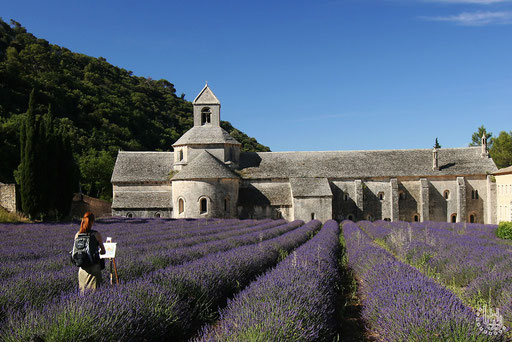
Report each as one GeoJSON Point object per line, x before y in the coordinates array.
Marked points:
{"type": "Point", "coordinates": [129, 214]}
{"type": "Point", "coordinates": [453, 217]}
{"type": "Point", "coordinates": [181, 205]}
{"type": "Point", "coordinates": [206, 116]}
{"type": "Point", "coordinates": [204, 204]}
{"type": "Point", "coordinates": [416, 217]}
{"type": "Point", "coordinates": [472, 217]}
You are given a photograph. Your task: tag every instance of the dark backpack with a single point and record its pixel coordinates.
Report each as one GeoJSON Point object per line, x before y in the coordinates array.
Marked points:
{"type": "Point", "coordinates": [85, 250]}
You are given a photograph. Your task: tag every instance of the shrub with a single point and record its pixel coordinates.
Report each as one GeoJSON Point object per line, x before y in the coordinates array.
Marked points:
{"type": "Point", "coordinates": [504, 230]}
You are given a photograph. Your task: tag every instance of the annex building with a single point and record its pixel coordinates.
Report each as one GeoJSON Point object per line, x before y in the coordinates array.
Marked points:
{"type": "Point", "coordinates": [208, 176]}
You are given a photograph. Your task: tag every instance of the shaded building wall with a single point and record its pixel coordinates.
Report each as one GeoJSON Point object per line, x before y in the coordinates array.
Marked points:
{"type": "Point", "coordinates": [82, 203]}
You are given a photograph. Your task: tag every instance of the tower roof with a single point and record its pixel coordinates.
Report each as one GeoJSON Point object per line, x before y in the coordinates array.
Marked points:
{"type": "Point", "coordinates": [206, 134]}
{"type": "Point", "coordinates": [206, 97]}
{"type": "Point", "coordinates": [205, 166]}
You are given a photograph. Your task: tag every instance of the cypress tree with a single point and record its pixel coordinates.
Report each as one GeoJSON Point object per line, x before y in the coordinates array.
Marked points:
{"type": "Point", "coordinates": [28, 178]}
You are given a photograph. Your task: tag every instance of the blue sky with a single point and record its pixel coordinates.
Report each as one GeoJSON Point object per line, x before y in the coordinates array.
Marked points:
{"type": "Point", "coordinates": [310, 75]}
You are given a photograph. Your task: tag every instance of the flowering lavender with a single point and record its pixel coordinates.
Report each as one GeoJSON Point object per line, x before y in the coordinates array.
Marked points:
{"type": "Point", "coordinates": [169, 304]}
{"type": "Point", "coordinates": [295, 301]}
{"type": "Point", "coordinates": [402, 304]}
{"type": "Point", "coordinates": [50, 276]}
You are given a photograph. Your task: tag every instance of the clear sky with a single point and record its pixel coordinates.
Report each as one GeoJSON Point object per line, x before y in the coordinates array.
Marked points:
{"type": "Point", "coordinates": [309, 75]}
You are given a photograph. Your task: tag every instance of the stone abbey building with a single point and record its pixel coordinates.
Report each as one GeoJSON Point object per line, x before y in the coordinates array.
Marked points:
{"type": "Point", "coordinates": [208, 176]}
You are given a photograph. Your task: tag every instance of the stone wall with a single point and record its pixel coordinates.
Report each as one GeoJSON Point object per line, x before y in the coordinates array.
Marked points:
{"type": "Point", "coordinates": [216, 192]}
{"type": "Point", "coordinates": [309, 208]}
{"type": "Point", "coordinates": [8, 197]}
{"type": "Point", "coordinates": [82, 203]}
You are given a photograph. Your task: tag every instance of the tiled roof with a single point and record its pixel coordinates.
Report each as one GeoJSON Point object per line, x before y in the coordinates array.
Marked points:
{"type": "Point", "coordinates": [364, 164]}
{"type": "Point", "coordinates": [142, 199]}
{"type": "Point", "coordinates": [504, 171]}
{"type": "Point", "coordinates": [205, 166]}
{"type": "Point", "coordinates": [142, 166]}
{"type": "Point", "coordinates": [310, 187]}
{"type": "Point", "coordinates": [206, 134]}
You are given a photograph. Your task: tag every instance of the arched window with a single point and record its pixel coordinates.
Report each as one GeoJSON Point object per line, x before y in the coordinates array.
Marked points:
{"type": "Point", "coordinates": [350, 217]}
{"type": "Point", "coordinates": [416, 218]}
{"type": "Point", "coordinates": [205, 115]}
{"type": "Point", "coordinates": [180, 155]}
{"type": "Point", "coordinates": [446, 194]}
{"type": "Point", "coordinates": [454, 218]}
{"type": "Point", "coordinates": [472, 218]}
{"type": "Point", "coordinates": [345, 197]}
{"type": "Point", "coordinates": [181, 206]}
{"type": "Point", "coordinates": [226, 204]}
{"type": "Point", "coordinates": [157, 214]}
{"type": "Point", "coordinates": [381, 195]}
{"type": "Point", "coordinates": [129, 215]}
{"type": "Point", "coordinates": [203, 205]}
{"type": "Point", "coordinates": [476, 194]}
{"type": "Point", "coordinates": [369, 217]}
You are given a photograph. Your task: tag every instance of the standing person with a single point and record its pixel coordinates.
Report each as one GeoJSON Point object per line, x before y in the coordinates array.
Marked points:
{"type": "Point", "coordinates": [89, 277]}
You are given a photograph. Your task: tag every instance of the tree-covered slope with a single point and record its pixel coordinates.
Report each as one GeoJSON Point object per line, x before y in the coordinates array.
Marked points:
{"type": "Point", "coordinates": [104, 108]}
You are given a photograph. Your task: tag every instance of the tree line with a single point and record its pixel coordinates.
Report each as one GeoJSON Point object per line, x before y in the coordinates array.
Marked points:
{"type": "Point", "coordinates": [98, 107]}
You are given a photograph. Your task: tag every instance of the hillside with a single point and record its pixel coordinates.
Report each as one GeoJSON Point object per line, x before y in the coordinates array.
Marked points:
{"type": "Point", "coordinates": [103, 107]}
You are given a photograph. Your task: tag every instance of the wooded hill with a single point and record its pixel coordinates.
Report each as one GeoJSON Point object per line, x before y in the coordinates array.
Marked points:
{"type": "Point", "coordinates": [102, 107]}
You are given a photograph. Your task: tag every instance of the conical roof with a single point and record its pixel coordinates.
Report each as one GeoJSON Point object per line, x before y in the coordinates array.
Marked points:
{"type": "Point", "coordinates": [206, 134]}
{"type": "Point", "coordinates": [205, 166]}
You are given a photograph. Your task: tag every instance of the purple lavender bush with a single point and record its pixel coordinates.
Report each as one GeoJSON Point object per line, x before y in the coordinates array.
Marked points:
{"type": "Point", "coordinates": [295, 301]}
{"type": "Point", "coordinates": [402, 304]}
{"type": "Point", "coordinates": [169, 304]}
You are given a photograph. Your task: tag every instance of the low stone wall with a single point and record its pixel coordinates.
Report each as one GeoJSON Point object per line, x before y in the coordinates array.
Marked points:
{"type": "Point", "coordinates": [83, 203]}
{"type": "Point", "coordinates": [8, 197]}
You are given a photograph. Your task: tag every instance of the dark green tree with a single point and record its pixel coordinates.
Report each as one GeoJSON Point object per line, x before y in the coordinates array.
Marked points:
{"type": "Point", "coordinates": [501, 150]}
{"type": "Point", "coordinates": [476, 138]}
{"type": "Point", "coordinates": [29, 186]}
{"type": "Point", "coordinates": [96, 170]}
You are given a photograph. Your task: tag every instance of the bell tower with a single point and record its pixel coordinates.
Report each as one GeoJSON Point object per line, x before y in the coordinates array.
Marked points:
{"type": "Point", "coordinates": [206, 108]}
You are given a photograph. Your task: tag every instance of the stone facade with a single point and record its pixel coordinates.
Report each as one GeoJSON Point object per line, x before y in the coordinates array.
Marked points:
{"type": "Point", "coordinates": [8, 197]}
{"type": "Point", "coordinates": [208, 176]}
{"type": "Point", "coordinates": [504, 194]}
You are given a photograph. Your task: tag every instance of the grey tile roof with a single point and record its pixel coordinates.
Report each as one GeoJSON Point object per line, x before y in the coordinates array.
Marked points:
{"type": "Point", "coordinates": [364, 164]}
{"type": "Point", "coordinates": [206, 96]}
{"type": "Point", "coordinates": [310, 187]}
{"type": "Point", "coordinates": [205, 166]}
{"type": "Point", "coordinates": [206, 134]}
{"type": "Point", "coordinates": [142, 199]}
{"type": "Point", "coordinates": [142, 166]}
{"type": "Point", "coordinates": [504, 171]}
{"type": "Point", "coordinates": [264, 194]}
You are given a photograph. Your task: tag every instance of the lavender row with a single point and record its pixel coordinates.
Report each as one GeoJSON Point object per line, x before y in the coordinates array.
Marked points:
{"type": "Point", "coordinates": [143, 251]}
{"type": "Point", "coordinates": [166, 305]}
{"type": "Point", "coordinates": [38, 288]}
{"type": "Point", "coordinates": [295, 301]}
{"type": "Point", "coordinates": [402, 304]}
{"type": "Point", "coordinates": [466, 257]}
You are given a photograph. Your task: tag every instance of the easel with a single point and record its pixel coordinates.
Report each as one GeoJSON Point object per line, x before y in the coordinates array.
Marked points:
{"type": "Point", "coordinates": [110, 254]}
{"type": "Point", "coordinates": [113, 261]}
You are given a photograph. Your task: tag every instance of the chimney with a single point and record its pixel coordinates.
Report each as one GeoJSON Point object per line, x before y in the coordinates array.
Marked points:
{"type": "Point", "coordinates": [485, 152]}
{"type": "Point", "coordinates": [435, 160]}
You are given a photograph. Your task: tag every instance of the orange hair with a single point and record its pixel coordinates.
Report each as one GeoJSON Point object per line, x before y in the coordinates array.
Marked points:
{"type": "Point", "coordinates": [87, 221]}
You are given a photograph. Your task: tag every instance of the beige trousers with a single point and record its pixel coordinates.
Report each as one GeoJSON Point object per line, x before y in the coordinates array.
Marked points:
{"type": "Point", "coordinates": [89, 277]}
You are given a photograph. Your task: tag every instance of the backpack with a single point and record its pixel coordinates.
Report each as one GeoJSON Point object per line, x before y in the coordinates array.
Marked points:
{"type": "Point", "coordinates": [85, 250]}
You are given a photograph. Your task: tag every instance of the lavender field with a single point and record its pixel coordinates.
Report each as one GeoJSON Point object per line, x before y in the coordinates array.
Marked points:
{"type": "Point", "coordinates": [255, 280]}
{"type": "Point", "coordinates": [426, 281]}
